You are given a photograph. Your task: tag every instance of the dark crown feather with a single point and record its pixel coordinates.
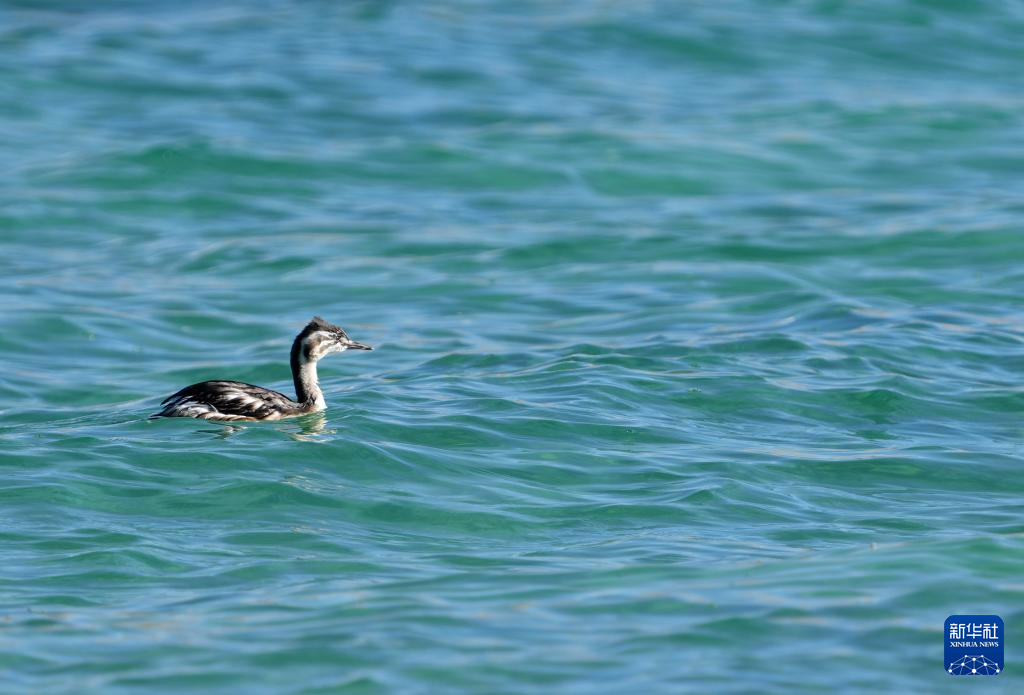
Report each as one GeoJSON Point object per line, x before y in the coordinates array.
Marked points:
{"type": "Point", "coordinates": [317, 323]}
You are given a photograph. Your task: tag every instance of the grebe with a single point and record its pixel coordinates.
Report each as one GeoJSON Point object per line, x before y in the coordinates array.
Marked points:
{"type": "Point", "coordinates": [235, 400]}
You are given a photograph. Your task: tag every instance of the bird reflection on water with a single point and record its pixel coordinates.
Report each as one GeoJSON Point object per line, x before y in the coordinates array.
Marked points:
{"type": "Point", "coordinates": [310, 428]}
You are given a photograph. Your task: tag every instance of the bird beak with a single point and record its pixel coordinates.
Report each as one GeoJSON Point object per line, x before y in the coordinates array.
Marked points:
{"type": "Point", "coordinates": [353, 345]}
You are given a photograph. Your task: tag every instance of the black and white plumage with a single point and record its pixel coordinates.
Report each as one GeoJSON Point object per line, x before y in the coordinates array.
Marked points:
{"type": "Point", "coordinates": [235, 400]}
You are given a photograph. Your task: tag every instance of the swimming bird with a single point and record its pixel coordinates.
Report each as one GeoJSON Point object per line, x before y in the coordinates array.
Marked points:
{"type": "Point", "coordinates": [235, 400]}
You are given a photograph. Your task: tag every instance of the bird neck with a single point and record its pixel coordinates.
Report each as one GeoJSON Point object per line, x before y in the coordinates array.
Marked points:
{"type": "Point", "coordinates": [307, 385]}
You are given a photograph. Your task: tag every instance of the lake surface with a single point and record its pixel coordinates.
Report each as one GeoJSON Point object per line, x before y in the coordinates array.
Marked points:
{"type": "Point", "coordinates": [699, 345]}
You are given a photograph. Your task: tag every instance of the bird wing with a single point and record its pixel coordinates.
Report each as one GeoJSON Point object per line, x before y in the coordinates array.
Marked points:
{"type": "Point", "coordinates": [227, 400]}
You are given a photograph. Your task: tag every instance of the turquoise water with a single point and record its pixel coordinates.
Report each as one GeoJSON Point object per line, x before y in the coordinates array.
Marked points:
{"type": "Point", "coordinates": [698, 327]}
